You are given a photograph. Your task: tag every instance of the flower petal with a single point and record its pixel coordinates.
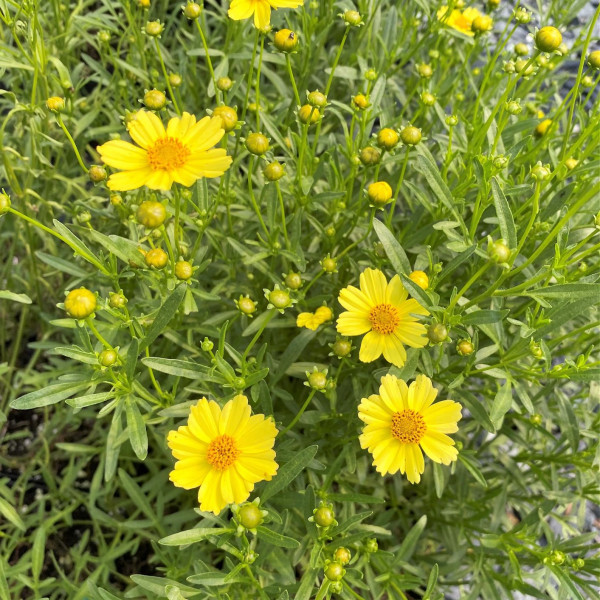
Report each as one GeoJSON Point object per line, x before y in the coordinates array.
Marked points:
{"type": "Point", "coordinates": [123, 155]}
{"type": "Point", "coordinates": [262, 14]}
{"type": "Point", "coordinates": [374, 284]}
{"type": "Point", "coordinates": [179, 126]}
{"type": "Point", "coordinates": [240, 9]}
{"type": "Point", "coordinates": [209, 163]}
{"type": "Point", "coordinates": [371, 347]}
{"type": "Point", "coordinates": [439, 447]}
{"type": "Point", "coordinates": [395, 292]}
{"type": "Point", "coordinates": [145, 128]}
{"type": "Point", "coordinates": [355, 300]}
{"type": "Point", "coordinates": [393, 392]}
{"type": "Point", "coordinates": [443, 416]}
{"type": "Point", "coordinates": [204, 134]}
{"type": "Point", "coordinates": [415, 465]}
{"type": "Point", "coordinates": [421, 393]}
{"type": "Point", "coordinates": [350, 323]}
{"type": "Point", "coordinates": [129, 180]}
{"type": "Point", "coordinates": [393, 350]}
{"type": "Point", "coordinates": [160, 180]}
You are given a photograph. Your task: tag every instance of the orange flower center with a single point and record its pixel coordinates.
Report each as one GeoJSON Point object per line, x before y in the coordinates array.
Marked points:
{"type": "Point", "coordinates": [167, 154]}
{"type": "Point", "coordinates": [222, 452]}
{"type": "Point", "coordinates": [384, 318]}
{"type": "Point", "coordinates": [408, 426]}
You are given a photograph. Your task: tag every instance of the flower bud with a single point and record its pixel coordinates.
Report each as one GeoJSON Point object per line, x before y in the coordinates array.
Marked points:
{"type": "Point", "coordinates": [324, 515]}
{"type": "Point", "coordinates": [341, 347]}
{"type": "Point", "coordinates": [334, 571]}
{"type": "Point", "coordinates": [513, 107]}
{"type": "Point", "coordinates": [420, 278]}
{"type": "Point", "coordinates": [329, 264]}
{"type": "Point", "coordinates": [154, 28]}
{"type": "Point", "coordinates": [379, 193]}
{"type": "Point", "coordinates": [104, 36]}
{"type": "Point", "coordinates": [330, 231]}
{"type": "Point", "coordinates": [4, 203]}
{"type": "Point", "coordinates": [80, 303]}
{"type": "Point", "coordinates": [175, 80]}
{"type": "Point", "coordinates": [55, 104]}
{"type": "Point", "coordinates": [144, 3]}
{"type": "Point", "coordinates": [117, 300]}
{"type": "Point", "coordinates": [571, 163]}
{"type": "Point", "coordinates": [451, 120]}
{"type": "Point", "coordinates": [548, 39]}
{"type": "Point", "coordinates": [293, 280]}
{"type": "Point", "coordinates": [428, 99]}
{"type": "Point", "coordinates": [522, 16]}
{"type": "Point", "coordinates": [224, 84]}
{"type": "Point", "coordinates": [285, 40]}
{"type": "Point", "coordinates": [587, 81]}
{"type": "Point", "coordinates": [370, 74]}
{"type": "Point", "coordinates": [500, 162]}
{"type": "Point", "coordinates": [424, 70]}
{"type": "Point", "coordinates": [274, 171]}
{"type": "Point", "coordinates": [360, 101]}
{"type": "Point", "coordinates": [482, 24]}
{"type": "Point", "coordinates": [523, 67]}
{"type": "Point", "coordinates": [371, 545]}
{"type": "Point", "coordinates": [246, 305]}
{"type": "Point", "coordinates": [542, 128]}
{"type": "Point", "coordinates": [280, 299]}
{"type": "Point", "coordinates": [410, 135]}
{"type": "Point", "coordinates": [228, 116]}
{"type": "Point", "coordinates": [318, 99]}
{"type": "Point", "coordinates": [437, 333]}
{"type": "Point", "coordinates": [521, 49]}
{"type": "Point", "coordinates": [540, 172]}
{"type": "Point", "coordinates": [156, 258]}
{"type": "Point", "coordinates": [317, 380]}
{"type": "Point", "coordinates": [107, 358]}
{"type": "Point", "coordinates": [97, 174]}
{"type": "Point", "coordinates": [353, 18]}
{"type": "Point", "coordinates": [593, 59]}
{"type": "Point", "coordinates": [192, 10]}
{"type": "Point", "coordinates": [250, 516]}
{"type": "Point", "coordinates": [465, 347]}
{"type": "Point", "coordinates": [183, 270]}
{"type": "Point", "coordinates": [493, 4]}
{"type": "Point", "coordinates": [308, 114]}
{"type": "Point", "coordinates": [257, 143]}
{"type": "Point", "coordinates": [369, 156]}
{"type": "Point", "coordinates": [207, 345]}
{"type": "Point", "coordinates": [151, 214]}
{"type": "Point", "coordinates": [387, 138]}
{"type": "Point", "coordinates": [342, 555]}
{"type": "Point", "coordinates": [536, 419]}
{"type": "Point", "coordinates": [155, 100]}
{"type": "Point", "coordinates": [498, 252]}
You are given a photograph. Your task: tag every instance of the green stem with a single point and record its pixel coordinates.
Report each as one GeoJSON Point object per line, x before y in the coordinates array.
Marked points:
{"type": "Point", "coordinates": [288, 63]}
{"type": "Point", "coordinates": [253, 199]}
{"type": "Point", "coordinates": [258, 334]}
{"type": "Point", "coordinates": [72, 141]}
{"type": "Point", "coordinates": [390, 216]}
{"type": "Point", "coordinates": [260, 58]}
{"type": "Point", "coordinates": [90, 323]}
{"type": "Point", "coordinates": [164, 70]}
{"type": "Point", "coordinates": [208, 60]}
{"type": "Point", "coordinates": [300, 412]}
{"type": "Point", "coordinates": [282, 207]}
{"type": "Point", "coordinates": [467, 285]}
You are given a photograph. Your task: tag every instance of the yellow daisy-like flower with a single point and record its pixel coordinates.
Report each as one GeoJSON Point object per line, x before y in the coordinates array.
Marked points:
{"type": "Point", "coordinates": [224, 452]}
{"type": "Point", "coordinates": [261, 9]}
{"type": "Point", "coordinates": [402, 420]}
{"type": "Point", "coordinates": [182, 153]}
{"type": "Point", "coordinates": [313, 320]}
{"type": "Point", "coordinates": [459, 20]}
{"type": "Point", "coordinates": [382, 311]}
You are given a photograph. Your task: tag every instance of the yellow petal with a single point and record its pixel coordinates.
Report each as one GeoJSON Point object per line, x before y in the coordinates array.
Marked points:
{"type": "Point", "coordinates": [123, 155]}
{"type": "Point", "coordinates": [202, 422]}
{"type": "Point", "coordinates": [184, 176]}
{"type": "Point", "coordinates": [349, 323]}
{"type": "Point", "coordinates": [209, 494]}
{"type": "Point", "coordinates": [374, 284]}
{"type": "Point", "coordinates": [421, 393]}
{"type": "Point", "coordinates": [415, 465]}
{"type": "Point", "coordinates": [443, 416]}
{"type": "Point", "coordinates": [393, 350]}
{"type": "Point", "coordinates": [204, 134]}
{"type": "Point", "coordinates": [189, 472]}
{"type": "Point", "coordinates": [393, 392]}
{"type": "Point", "coordinates": [371, 347]}
{"type": "Point", "coordinates": [129, 180]}
{"type": "Point", "coordinates": [160, 180]}
{"type": "Point", "coordinates": [145, 128]}
{"type": "Point", "coordinates": [240, 9]}
{"type": "Point", "coordinates": [235, 416]}
{"type": "Point", "coordinates": [411, 333]}
{"type": "Point", "coordinates": [395, 292]}
{"type": "Point", "coordinates": [355, 300]}
{"type": "Point", "coordinates": [286, 3]}
{"type": "Point", "coordinates": [184, 444]}
{"type": "Point", "coordinates": [210, 163]}
{"type": "Point", "coordinates": [179, 126]}
{"type": "Point", "coordinates": [439, 447]}
{"type": "Point", "coordinates": [262, 14]}
{"type": "Point", "coordinates": [412, 307]}
{"type": "Point", "coordinates": [374, 410]}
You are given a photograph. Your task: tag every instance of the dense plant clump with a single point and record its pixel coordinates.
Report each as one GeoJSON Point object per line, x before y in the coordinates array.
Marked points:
{"type": "Point", "coordinates": [299, 300]}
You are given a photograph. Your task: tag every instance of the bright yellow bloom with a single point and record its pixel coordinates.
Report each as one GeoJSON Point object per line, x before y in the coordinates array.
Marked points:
{"type": "Point", "coordinates": [224, 452]}
{"type": "Point", "coordinates": [261, 9]}
{"type": "Point", "coordinates": [313, 320]}
{"type": "Point", "coordinates": [381, 309]}
{"type": "Point", "coordinates": [182, 153]}
{"type": "Point", "coordinates": [459, 20]}
{"type": "Point", "coordinates": [403, 419]}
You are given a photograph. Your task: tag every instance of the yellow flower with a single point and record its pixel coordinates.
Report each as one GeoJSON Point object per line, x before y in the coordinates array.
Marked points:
{"type": "Point", "coordinates": [313, 320]}
{"type": "Point", "coordinates": [402, 420]}
{"type": "Point", "coordinates": [381, 309]}
{"type": "Point", "coordinates": [261, 9]}
{"type": "Point", "coordinates": [459, 20]}
{"type": "Point", "coordinates": [224, 452]}
{"type": "Point", "coordinates": [182, 153]}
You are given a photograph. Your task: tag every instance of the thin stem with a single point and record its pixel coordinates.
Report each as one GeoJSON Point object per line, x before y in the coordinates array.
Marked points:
{"type": "Point", "coordinates": [208, 60]}
{"type": "Point", "coordinates": [467, 285]}
{"type": "Point", "coordinates": [300, 412]}
{"type": "Point", "coordinates": [253, 199]}
{"type": "Point", "coordinates": [398, 186]}
{"type": "Point", "coordinates": [288, 63]}
{"type": "Point", "coordinates": [90, 323]}
{"type": "Point", "coordinates": [164, 70]}
{"type": "Point", "coordinates": [258, 334]}
{"type": "Point", "coordinates": [260, 58]}
{"type": "Point", "coordinates": [282, 207]}
{"type": "Point", "coordinates": [73, 144]}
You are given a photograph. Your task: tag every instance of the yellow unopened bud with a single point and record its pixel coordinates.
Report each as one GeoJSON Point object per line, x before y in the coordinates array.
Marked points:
{"type": "Point", "coordinates": [285, 40]}
{"type": "Point", "coordinates": [55, 103]}
{"type": "Point", "coordinates": [379, 193]}
{"type": "Point", "coordinates": [420, 278]}
{"type": "Point", "coordinates": [228, 116]}
{"type": "Point", "coordinates": [80, 303]}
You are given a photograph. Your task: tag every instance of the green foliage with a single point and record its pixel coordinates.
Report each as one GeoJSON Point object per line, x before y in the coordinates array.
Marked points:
{"type": "Point", "coordinates": [87, 510]}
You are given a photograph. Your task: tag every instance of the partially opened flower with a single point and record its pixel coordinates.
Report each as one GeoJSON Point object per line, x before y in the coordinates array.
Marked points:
{"type": "Point", "coordinates": [401, 420]}
{"type": "Point", "coordinates": [223, 452]}
{"type": "Point", "coordinates": [182, 153]}
{"type": "Point", "coordinates": [459, 20]}
{"type": "Point", "coordinates": [383, 311]}
{"type": "Point", "coordinates": [260, 9]}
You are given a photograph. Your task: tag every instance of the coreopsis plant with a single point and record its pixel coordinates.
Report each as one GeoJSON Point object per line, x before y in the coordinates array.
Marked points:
{"type": "Point", "coordinates": [299, 300]}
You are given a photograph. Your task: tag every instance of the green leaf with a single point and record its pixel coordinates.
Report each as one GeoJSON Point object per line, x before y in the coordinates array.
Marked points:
{"type": "Point", "coordinates": [416, 292]}
{"type": "Point", "coordinates": [471, 465]}
{"type": "Point", "coordinates": [288, 472]}
{"type": "Point", "coordinates": [276, 539]}
{"type": "Point", "coordinates": [136, 494]}
{"type": "Point", "coordinates": [165, 314]}
{"type": "Point", "coordinates": [78, 246]}
{"type": "Point", "coordinates": [61, 264]}
{"type": "Point", "coordinates": [564, 580]}
{"type": "Point", "coordinates": [352, 497]}
{"type": "Point", "coordinates": [505, 217]}
{"type": "Point", "coordinates": [125, 249]}
{"type": "Point", "coordinates": [480, 317]}
{"type": "Point", "coordinates": [439, 479]}
{"type": "Point", "coordinates": [307, 583]}
{"type": "Point", "coordinates": [8, 295]}
{"type": "Point", "coordinates": [90, 399]}
{"type": "Point", "coordinates": [37, 552]}
{"type": "Point", "coordinates": [568, 291]}
{"type": "Point", "coordinates": [431, 582]}
{"type": "Point", "coordinates": [456, 262]}
{"type": "Point", "coordinates": [131, 359]}
{"type": "Point", "coordinates": [350, 522]}
{"type": "Point", "coordinates": [191, 536]}
{"type": "Point", "coordinates": [4, 592]}
{"type": "Point", "coordinates": [10, 514]}
{"type": "Point", "coordinates": [292, 352]}
{"type": "Point", "coordinates": [182, 368]}
{"type": "Point", "coordinates": [48, 395]}
{"type": "Point", "coordinates": [393, 249]}
{"type": "Point", "coordinates": [76, 353]}
{"type": "Point", "coordinates": [501, 405]}
{"type": "Point", "coordinates": [569, 422]}
{"type": "Point", "coordinates": [409, 543]}
{"type": "Point", "coordinates": [136, 428]}
{"type": "Point", "coordinates": [427, 167]}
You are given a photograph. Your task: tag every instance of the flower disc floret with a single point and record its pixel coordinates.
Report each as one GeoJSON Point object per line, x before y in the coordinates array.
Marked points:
{"type": "Point", "coordinates": [181, 153]}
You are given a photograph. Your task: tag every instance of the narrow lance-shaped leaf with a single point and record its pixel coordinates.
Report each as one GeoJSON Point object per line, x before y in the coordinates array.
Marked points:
{"type": "Point", "coordinates": [505, 217]}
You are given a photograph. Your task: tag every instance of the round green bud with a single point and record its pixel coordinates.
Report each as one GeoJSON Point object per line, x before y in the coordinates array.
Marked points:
{"type": "Point", "coordinates": [324, 516]}
{"type": "Point", "coordinates": [107, 358]}
{"type": "Point", "coordinates": [370, 74]}
{"type": "Point", "coordinates": [352, 17]}
{"type": "Point", "coordinates": [318, 99]}
{"type": "Point", "coordinates": [246, 305]}
{"type": "Point", "coordinates": [425, 71]}
{"type": "Point", "coordinates": [428, 99]}
{"type": "Point", "coordinates": [175, 79]}
{"type": "Point", "coordinates": [80, 303]}
{"type": "Point", "coordinates": [437, 333]}
{"type": "Point", "coordinates": [540, 172]}
{"type": "Point", "coordinates": [224, 84]}
{"type": "Point", "coordinates": [342, 555]}
{"type": "Point", "coordinates": [250, 516]}
{"type": "Point", "coordinates": [154, 28]}
{"type": "Point", "coordinates": [451, 120]}
{"type": "Point", "coordinates": [97, 174]}
{"type": "Point", "coordinates": [371, 546]}
{"type": "Point", "coordinates": [522, 16]}
{"type": "Point", "coordinates": [155, 100]}
{"type": "Point", "coordinates": [334, 571]}
{"type": "Point", "coordinates": [293, 281]}
{"type": "Point", "coordinates": [192, 10]}
{"type": "Point", "coordinates": [498, 252]}
{"type": "Point", "coordinates": [410, 135]}
{"type": "Point", "coordinates": [4, 203]}
{"type": "Point", "coordinates": [513, 107]}
{"type": "Point", "coordinates": [521, 49]}
{"type": "Point", "coordinates": [257, 143]}
{"type": "Point", "coordinates": [207, 345]}
{"type": "Point", "coordinates": [369, 156]}
{"type": "Point", "coordinates": [593, 59]}
{"type": "Point", "coordinates": [274, 171]}
{"type": "Point", "coordinates": [183, 270]}
{"type": "Point", "coordinates": [280, 298]}
{"type": "Point", "coordinates": [465, 347]}
{"type": "Point", "coordinates": [157, 258]}
{"type": "Point", "coordinates": [151, 214]}
{"type": "Point", "coordinates": [329, 264]}
{"type": "Point", "coordinates": [318, 381]}
{"type": "Point", "coordinates": [342, 347]}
